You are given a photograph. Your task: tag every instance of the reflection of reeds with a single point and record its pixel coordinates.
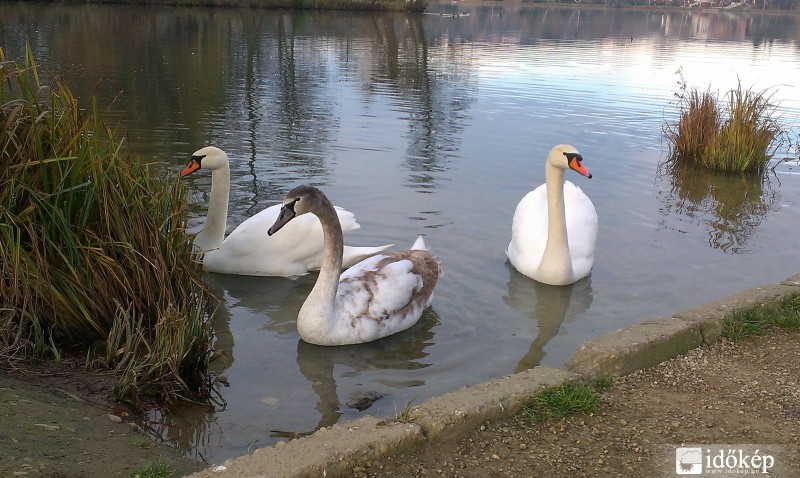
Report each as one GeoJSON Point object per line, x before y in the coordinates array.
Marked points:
{"type": "Point", "coordinates": [93, 249]}
{"type": "Point", "coordinates": [734, 137]}
{"type": "Point", "coordinates": [732, 205]}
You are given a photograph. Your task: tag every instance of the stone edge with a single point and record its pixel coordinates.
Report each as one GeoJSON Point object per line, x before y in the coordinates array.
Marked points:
{"type": "Point", "coordinates": [331, 452]}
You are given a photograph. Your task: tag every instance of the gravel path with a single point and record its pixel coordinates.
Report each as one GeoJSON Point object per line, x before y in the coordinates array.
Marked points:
{"type": "Point", "coordinates": [742, 393]}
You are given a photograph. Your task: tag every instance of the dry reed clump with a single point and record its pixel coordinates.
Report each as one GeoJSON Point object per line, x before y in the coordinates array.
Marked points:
{"type": "Point", "coordinates": [741, 135]}
{"type": "Point", "coordinates": [93, 250]}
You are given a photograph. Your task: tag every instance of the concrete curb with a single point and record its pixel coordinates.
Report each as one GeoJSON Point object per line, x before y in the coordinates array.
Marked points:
{"type": "Point", "coordinates": [328, 452]}
{"type": "Point", "coordinates": [634, 348]}
{"type": "Point", "coordinates": [334, 451]}
{"type": "Point", "coordinates": [465, 409]}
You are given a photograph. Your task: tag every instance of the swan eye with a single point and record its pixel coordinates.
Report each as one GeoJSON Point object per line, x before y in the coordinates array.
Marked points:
{"type": "Point", "coordinates": [572, 156]}
{"type": "Point", "coordinates": [198, 158]}
{"type": "Point", "coordinates": [290, 206]}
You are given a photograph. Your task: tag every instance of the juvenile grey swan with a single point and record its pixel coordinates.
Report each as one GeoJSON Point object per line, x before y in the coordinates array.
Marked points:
{"type": "Point", "coordinates": [375, 298]}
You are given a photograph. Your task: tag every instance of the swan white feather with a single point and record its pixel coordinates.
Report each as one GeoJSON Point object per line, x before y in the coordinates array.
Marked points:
{"type": "Point", "coordinates": [377, 297]}
{"type": "Point", "coordinates": [247, 250]}
{"type": "Point", "coordinates": [552, 240]}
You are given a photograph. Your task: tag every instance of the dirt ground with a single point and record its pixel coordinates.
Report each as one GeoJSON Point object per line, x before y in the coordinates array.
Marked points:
{"type": "Point", "coordinates": [55, 426]}
{"type": "Point", "coordinates": [743, 393]}
{"type": "Point", "coordinates": [60, 422]}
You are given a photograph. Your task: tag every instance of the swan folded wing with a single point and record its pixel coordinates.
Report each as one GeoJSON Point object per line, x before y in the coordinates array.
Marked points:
{"type": "Point", "coordinates": [529, 229]}
{"type": "Point", "coordinates": [347, 219]}
{"type": "Point", "coordinates": [581, 218]}
{"type": "Point", "coordinates": [388, 288]}
{"type": "Point", "coordinates": [301, 240]}
{"type": "Point", "coordinates": [303, 236]}
{"type": "Point", "coordinates": [247, 238]}
{"type": "Point", "coordinates": [248, 250]}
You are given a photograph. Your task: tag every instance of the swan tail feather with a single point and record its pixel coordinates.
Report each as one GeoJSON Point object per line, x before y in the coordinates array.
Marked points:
{"type": "Point", "coordinates": [355, 254]}
{"type": "Point", "coordinates": [420, 243]}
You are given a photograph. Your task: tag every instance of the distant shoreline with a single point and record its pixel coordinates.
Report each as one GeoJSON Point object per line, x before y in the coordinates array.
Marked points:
{"type": "Point", "coordinates": [403, 5]}
{"type": "Point", "coordinates": [354, 5]}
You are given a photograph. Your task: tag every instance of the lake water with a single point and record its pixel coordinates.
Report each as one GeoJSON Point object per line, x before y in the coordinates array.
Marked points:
{"type": "Point", "coordinates": [436, 124]}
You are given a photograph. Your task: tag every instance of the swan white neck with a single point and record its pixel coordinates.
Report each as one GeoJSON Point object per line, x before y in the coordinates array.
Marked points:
{"type": "Point", "coordinates": [317, 312]}
{"type": "Point", "coordinates": [556, 263]}
{"type": "Point", "coordinates": [213, 232]}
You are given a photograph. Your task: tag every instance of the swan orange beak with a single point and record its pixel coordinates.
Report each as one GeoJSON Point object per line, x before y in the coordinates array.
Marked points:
{"type": "Point", "coordinates": [194, 165]}
{"type": "Point", "coordinates": [574, 162]}
{"type": "Point", "coordinates": [287, 214]}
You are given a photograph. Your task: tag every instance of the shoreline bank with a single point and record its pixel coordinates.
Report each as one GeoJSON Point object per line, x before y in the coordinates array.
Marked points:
{"type": "Point", "coordinates": [340, 449]}
{"type": "Point", "coordinates": [60, 419]}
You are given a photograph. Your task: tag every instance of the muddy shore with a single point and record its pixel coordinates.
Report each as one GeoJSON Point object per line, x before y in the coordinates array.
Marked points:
{"type": "Point", "coordinates": [62, 422]}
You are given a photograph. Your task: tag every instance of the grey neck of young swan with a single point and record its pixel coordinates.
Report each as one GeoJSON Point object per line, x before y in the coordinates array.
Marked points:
{"type": "Point", "coordinates": [324, 292]}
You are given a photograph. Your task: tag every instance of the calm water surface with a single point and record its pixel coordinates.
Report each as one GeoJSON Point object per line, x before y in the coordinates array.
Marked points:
{"type": "Point", "coordinates": [437, 125]}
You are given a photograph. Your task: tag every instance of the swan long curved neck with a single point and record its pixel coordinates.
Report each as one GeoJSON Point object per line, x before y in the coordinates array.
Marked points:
{"type": "Point", "coordinates": [214, 230]}
{"type": "Point", "coordinates": [324, 291]}
{"type": "Point", "coordinates": [556, 259]}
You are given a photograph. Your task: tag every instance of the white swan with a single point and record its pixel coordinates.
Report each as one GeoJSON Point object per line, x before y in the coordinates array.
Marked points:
{"type": "Point", "coordinates": [554, 230]}
{"type": "Point", "coordinates": [375, 298]}
{"type": "Point", "coordinates": [247, 250]}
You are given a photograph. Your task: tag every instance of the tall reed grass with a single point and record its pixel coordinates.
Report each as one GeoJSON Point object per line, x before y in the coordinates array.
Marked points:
{"type": "Point", "coordinates": [94, 256]}
{"type": "Point", "coordinates": [737, 135]}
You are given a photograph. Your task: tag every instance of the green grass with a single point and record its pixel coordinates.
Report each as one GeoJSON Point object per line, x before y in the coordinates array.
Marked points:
{"type": "Point", "coordinates": [603, 383]}
{"type": "Point", "coordinates": [738, 134]}
{"type": "Point", "coordinates": [405, 413]}
{"type": "Point", "coordinates": [154, 470]}
{"type": "Point", "coordinates": [144, 443]}
{"type": "Point", "coordinates": [566, 399]}
{"type": "Point", "coordinates": [759, 319]}
{"type": "Point", "coordinates": [94, 255]}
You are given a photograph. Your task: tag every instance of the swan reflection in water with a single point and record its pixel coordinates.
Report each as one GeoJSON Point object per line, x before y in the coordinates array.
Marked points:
{"type": "Point", "coordinates": [278, 301]}
{"type": "Point", "coordinates": [550, 306]}
{"type": "Point", "coordinates": [249, 305]}
{"type": "Point", "coordinates": [337, 374]}
{"type": "Point", "coordinates": [401, 351]}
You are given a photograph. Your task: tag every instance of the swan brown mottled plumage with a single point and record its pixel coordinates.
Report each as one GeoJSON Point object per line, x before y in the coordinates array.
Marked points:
{"type": "Point", "coordinates": [377, 297]}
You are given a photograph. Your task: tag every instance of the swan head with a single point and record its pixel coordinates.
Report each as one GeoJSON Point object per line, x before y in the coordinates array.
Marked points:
{"type": "Point", "coordinates": [300, 200]}
{"type": "Point", "coordinates": [565, 157]}
{"type": "Point", "coordinates": [209, 157]}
